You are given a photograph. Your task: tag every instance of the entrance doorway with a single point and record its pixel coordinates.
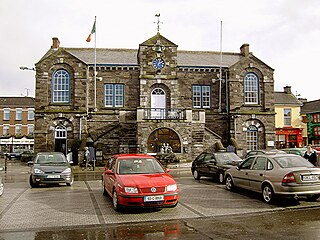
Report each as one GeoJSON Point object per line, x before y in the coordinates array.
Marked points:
{"type": "Point", "coordinates": [158, 103]}
{"type": "Point", "coordinates": [60, 139]}
{"type": "Point", "coordinates": [164, 139]}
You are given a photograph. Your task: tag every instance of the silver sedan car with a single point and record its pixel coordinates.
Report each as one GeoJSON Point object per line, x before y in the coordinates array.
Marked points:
{"type": "Point", "coordinates": [272, 175]}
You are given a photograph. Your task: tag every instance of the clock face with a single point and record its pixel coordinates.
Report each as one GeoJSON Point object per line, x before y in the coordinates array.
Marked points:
{"type": "Point", "coordinates": [158, 63]}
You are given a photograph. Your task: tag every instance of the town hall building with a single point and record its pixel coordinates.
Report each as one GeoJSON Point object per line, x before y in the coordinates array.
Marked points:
{"type": "Point", "coordinates": [153, 99]}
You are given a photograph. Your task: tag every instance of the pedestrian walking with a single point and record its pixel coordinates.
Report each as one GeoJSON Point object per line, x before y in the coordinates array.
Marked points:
{"type": "Point", "coordinates": [311, 155]}
{"type": "Point", "coordinates": [86, 157]}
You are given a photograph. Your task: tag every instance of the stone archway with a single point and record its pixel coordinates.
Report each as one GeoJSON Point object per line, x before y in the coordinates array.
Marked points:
{"type": "Point", "coordinates": [163, 138]}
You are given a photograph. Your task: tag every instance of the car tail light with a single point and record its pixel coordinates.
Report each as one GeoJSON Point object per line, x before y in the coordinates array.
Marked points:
{"type": "Point", "coordinates": [289, 178]}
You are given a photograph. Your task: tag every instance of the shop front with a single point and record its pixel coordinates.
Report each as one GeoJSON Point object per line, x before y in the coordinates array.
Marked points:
{"type": "Point", "coordinates": [289, 137]}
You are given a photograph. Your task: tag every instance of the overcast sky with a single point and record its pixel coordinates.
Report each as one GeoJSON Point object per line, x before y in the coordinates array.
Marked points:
{"type": "Point", "coordinates": [285, 34]}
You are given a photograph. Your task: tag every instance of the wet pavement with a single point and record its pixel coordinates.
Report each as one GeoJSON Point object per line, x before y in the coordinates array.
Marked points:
{"type": "Point", "coordinates": [205, 211]}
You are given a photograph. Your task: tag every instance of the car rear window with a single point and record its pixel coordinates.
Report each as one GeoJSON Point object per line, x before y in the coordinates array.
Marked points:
{"type": "Point", "coordinates": [292, 161]}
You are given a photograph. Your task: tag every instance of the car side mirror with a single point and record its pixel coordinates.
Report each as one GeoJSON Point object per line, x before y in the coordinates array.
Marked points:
{"type": "Point", "coordinates": [168, 170]}
{"type": "Point", "coordinates": [108, 172]}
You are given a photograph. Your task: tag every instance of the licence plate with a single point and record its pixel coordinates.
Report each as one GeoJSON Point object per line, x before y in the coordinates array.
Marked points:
{"type": "Point", "coordinates": [153, 198]}
{"type": "Point", "coordinates": [53, 176]}
{"type": "Point", "coordinates": [310, 178]}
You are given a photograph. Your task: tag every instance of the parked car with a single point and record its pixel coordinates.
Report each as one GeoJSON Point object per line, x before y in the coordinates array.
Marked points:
{"type": "Point", "coordinates": [272, 175]}
{"type": "Point", "coordinates": [214, 164]}
{"type": "Point", "coordinates": [50, 168]}
{"type": "Point", "coordinates": [1, 182]}
{"type": "Point", "coordinates": [297, 151]}
{"type": "Point", "coordinates": [27, 155]}
{"type": "Point", "coordinates": [15, 154]}
{"type": "Point", "coordinates": [262, 151]}
{"type": "Point", "coordinates": [138, 180]}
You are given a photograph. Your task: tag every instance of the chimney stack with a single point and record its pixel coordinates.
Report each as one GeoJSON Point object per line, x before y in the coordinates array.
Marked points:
{"type": "Point", "coordinates": [244, 50]}
{"type": "Point", "coordinates": [55, 43]}
{"type": "Point", "coordinates": [287, 89]}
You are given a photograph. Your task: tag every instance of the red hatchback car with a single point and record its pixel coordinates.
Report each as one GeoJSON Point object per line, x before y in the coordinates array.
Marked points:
{"type": "Point", "coordinates": [138, 180]}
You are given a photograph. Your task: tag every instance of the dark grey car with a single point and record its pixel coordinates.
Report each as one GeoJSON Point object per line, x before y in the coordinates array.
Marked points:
{"type": "Point", "coordinates": [50, 168]}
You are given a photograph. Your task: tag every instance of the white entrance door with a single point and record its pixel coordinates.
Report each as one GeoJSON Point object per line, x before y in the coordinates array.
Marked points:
{"type": "Point", "coordinates": [158, 103]}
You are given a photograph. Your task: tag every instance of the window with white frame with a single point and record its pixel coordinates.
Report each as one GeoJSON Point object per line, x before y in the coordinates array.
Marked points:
{"type": "Point", "coordinates": [113, 95]}
{"type": "Point", "coordinates": [201, 96]}
{"type": "Point", "coordinates": [251, 89]}
{"type": "Point", "coordinates": [6, 129]}
{"type": "Point", "coordinates": [316, 131]}
{"type": "Point", "coordinates": [60, 132]}
{"type": "Point", "coordinates": [6, 114]}
{"type": "Point", "coordinates": [252, 137]}
{"type": "Point", "coordinates": [30, 114]}
{"type": "Point", "coordinates": [18, 114]}
{"type": "Point", "coordinates": [30, 129]}
{"type": "Point", "coordinates": [61, 86]}
{"type": "Point", "coordinates": [287, 117]}
{"type": "Point", "coordinates": [18, 129]}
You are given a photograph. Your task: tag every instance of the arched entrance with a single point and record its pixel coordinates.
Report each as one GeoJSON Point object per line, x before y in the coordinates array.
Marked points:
{"type": "Point", "coordinates": [164, 137]}
{"type": "Point", "coordinates": [60, 139]}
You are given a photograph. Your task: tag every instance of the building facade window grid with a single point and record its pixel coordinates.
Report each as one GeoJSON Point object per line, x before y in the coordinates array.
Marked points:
{"type": "Point", "coordinates": [251, 89]}
{"type": "Point", "coordinates": [30, 114]}
{"type": "Point", "coordinates": [316, 131]}
{"type": "Point", "coordinates": [201, 96]}
{"type": "Point", "coordinates": [287, 117]}
{"type": "Point", "coordinates": [114, 95]}
{"type": "Point", "coordinates": [61, 87]}
{"type": "Point", "coordinates": [6, 114]}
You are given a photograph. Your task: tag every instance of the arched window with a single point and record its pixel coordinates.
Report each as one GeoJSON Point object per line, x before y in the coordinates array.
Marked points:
{"type": "Point", "coordinates": [251, 89]}
{"type": "Point", "coordinates": [60, 132]}
{"type": "Point", "coordinates": [61, 86]}
{"type": "Point", "coordinates": [252, 137]}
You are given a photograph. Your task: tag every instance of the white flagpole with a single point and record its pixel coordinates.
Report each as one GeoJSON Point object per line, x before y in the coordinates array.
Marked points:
{"type": "Point", "coordinates": [220, 70]}
{"type": "Point", "coordinates": [95, 65]}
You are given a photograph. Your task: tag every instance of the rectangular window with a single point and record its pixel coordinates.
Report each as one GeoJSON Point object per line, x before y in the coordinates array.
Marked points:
{"type": "Point", "coordinates": [287, 116]}
{"type": "Point", "coordinates": [201, 96]}
{"type": "Point", "coordinates": [317, 131]}
{"type": "Point", "coordinates": [315, 118]}
{"type": "Point", "coordinates": [18, 129]}
{"type": "Point", "coordinates": [18, 114]}
{"type": "Point", "coordinates": [30, 114]}
{"type": "Point", "coordinates": [6, 114]}
{"type": "Point", "coordinates": [30, 129]}
{"type": "Point", "coordinates": [252, 140]}
{"type": "Point", "coordinates": [6, 129]}
{"type": "Point", "coordinates": [114, 95]}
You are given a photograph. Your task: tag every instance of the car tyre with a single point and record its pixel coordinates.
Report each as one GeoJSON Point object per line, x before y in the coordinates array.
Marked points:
{"type": "Point", "coordinates": [196, 174]}
{"type": "Point", "coordinates": [220, 177]}
{"type": "Point", "coordinates": [115, 203]}
{"type": "Point", "coordinates": [313, 197]}
{"type": "Point", "coordinates": [229, 183]}
{"type": "Point", "coordinates": [267, 193]}
{"type": "Point", "coordinates": [32, 184]}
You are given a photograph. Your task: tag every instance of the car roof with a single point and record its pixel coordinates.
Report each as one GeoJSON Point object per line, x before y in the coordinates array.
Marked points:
{"type": "Point", "coordinates": [132, 155]}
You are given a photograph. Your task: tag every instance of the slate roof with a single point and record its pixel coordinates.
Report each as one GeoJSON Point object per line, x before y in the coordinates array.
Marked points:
{"type": "Point", "coordinates": [282, 98]}
{"type": "Point", "coordinates": [126, 57]}
{"type": "Point", "coordinates": [310, 107]}
{"type": "Point", "coordinates": [17, 102]}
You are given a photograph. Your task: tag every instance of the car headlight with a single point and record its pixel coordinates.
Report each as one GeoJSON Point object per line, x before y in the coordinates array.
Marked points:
{"type": "Point", "coordinates": [131, 189]}
{"type": "Point", "coordinates": [67, 170]}
{"type": "Point", "coordinates": [172, 188]}
{"type": "Point", "coordinates": [37, 171]}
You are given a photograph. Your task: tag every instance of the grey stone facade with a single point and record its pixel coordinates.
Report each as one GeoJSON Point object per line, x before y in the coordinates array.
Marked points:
{"type": "Point", "coordinates": [158, 104]}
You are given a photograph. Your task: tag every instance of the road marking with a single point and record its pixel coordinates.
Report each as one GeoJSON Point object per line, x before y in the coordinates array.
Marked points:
{"type": "Point", "coordinates": [12, 202]}
{"type": "Point", "coordinates": [95, 204]}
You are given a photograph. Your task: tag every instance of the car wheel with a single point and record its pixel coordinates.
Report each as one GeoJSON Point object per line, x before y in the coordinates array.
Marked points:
{"type": "Point", "coordinates": [313, 197]}
{"type": "Point", "coordinates": [196, 175]}
{"type": "Point", "coordinates": [220, 177]}
{"type": "Point", "coordinates": [229, 183]}
{"type": "Point", "coordinates": [115, 203]}
{"type": "Point", "coordinates": [267, 193]}
{"type": "Point", "coordinates": [32, 184]}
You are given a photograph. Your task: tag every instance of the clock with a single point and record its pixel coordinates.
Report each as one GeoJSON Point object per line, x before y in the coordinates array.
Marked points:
{"type": "Point", "coordinates": [158, 63]}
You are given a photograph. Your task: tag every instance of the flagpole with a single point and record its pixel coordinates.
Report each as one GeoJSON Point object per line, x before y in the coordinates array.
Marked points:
{"type": "Point", "coordinates": [95, 65]}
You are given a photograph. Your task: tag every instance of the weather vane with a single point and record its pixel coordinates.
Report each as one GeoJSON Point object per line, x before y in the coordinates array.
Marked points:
{"type": "Point", "coordinates": [158, 22]}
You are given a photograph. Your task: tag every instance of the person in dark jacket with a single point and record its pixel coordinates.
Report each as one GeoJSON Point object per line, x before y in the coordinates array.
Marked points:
{"type": "Point", "coordinates": [311, 155]}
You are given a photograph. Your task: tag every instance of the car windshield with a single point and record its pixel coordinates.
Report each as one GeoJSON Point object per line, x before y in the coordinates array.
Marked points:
{"type": "Point", "coordinates": [139, 166]}
{"type": "Point", "coordinates": [292, 161]}
{"type": "Point", "coordinates": [227, 158]}
{"type": "Point", "coordinates": [50, 159]}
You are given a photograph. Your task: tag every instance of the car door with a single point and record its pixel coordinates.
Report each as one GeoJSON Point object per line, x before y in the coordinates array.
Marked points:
{"type": "Point", "coordinates": [109, 179]}
{"type": "Point", "coordinates": [210, 165]}
{"type": "Point", "coordinates": [240, 176]}
{"type": "Point", "coordinates": [257, 173]}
